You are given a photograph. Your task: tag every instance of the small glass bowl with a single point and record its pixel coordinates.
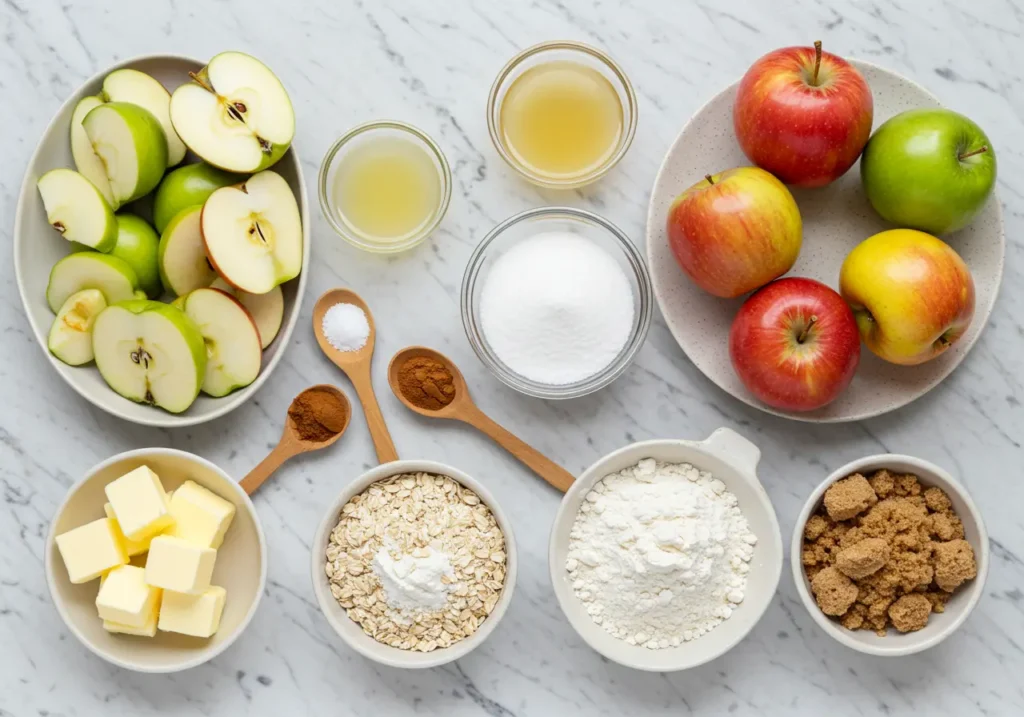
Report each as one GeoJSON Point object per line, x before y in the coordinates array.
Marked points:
{"type": "Point", "coordinates": [562, 50]}
{"type": "Point", "coordinates": [351, 139]}
{"type": "Point", "coordinates": [545, 219]}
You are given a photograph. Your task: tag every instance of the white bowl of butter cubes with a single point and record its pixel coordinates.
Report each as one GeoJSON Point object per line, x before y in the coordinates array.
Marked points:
{"type": "Point", "coordinates": [156, 560]}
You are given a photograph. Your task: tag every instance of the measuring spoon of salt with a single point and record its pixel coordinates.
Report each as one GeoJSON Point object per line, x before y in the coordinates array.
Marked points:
{"type": "Point", "coordinates": [356, 365]}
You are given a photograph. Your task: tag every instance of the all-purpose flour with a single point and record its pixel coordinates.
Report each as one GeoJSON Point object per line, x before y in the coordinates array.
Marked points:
{"type": "Point", "coordinates": [659, 553]}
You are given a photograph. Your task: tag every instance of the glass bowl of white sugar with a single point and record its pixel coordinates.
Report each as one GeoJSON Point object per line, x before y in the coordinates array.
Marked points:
{"type": "Point", "coordinates": [556, 302]}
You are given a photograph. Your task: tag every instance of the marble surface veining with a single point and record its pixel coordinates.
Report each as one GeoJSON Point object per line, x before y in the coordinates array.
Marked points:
{"type": "Point", "coordinates": [345, 62]}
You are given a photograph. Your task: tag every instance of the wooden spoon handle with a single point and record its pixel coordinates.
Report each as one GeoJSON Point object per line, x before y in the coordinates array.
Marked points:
{"type": "Point", "coordinates": [258, 475]}
{"type": "Point", "coordinates": [529, 456]}
{"type": "Point", "coordinates": [382, 442]}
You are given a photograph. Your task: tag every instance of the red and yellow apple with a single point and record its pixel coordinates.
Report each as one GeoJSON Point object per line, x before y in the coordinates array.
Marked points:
{"type": "Point", "coordinates": [912, 295]}
{"type": "Point", "coordinates": [803, 114]}
{"type": "Point", "coordinates": [735, 231]}
{"type": "Point", "coordinates": [794, 344]}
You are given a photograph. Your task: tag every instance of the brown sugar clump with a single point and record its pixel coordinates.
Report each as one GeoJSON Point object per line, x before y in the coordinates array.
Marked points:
{"type": "Point", "coordinates": [910, 612]}
{"type": "Point", "coordinates": [899, 554]}
{"type": "Point", "coordinates": [849, 497]}
{"type": "Point", "coordinates": [954, 564]}
{"type": "Point", "coordinates": [834, 592]}
{"type": "Point", "coordinates": [863, 558]}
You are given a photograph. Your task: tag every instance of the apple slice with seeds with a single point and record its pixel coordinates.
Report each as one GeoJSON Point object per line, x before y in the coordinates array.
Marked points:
{"type": "Point", "coordinates": [77, 209]}
{"type": "Point", "coordinates": [182, 256]}
{"type": "Point", "coordinates": [233, 350]}
{"type": "Point", "coordinates": [150, 353]}
{"type": "Point", "coordinates": [267, 310]}
{"type": "Point", "coordinates": [253, 233]}
{"type": "Point", "coordinates": [70, 337]}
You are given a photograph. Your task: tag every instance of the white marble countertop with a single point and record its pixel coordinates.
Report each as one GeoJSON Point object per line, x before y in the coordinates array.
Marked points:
{"type": "Point", "coordinates": [432, 63]}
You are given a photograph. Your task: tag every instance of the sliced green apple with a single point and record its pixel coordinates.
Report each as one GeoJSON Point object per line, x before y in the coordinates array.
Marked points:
{"type": "Point", "coordinates": [182, 255]}
{"type": "Point", "coordinates": [236, 114]}
{"type": "Point", "coordinates": [77, 209]}
{"type": "Point", "coordinates": [150, 353]}
{"type": "Point", "coordinates": [138, 88]}
{"type": "Point", "coordinates": [140, 294]}
{"type": "Point", "coordinates": [187, 186]}
{"type": "Point", "coordinates": [131, 145]}
{"type": "Point", "coordinates": [86, 160]}
{"type": "Point", "coordinates": [233, 350]}
{"type": "Point", "coordinates": [70, 337]}
{"type": "Point", "coordinates": [253, 233]}
{"type": "Point", "coordinates": [267, 310]}
{"type": "Point", "coordinates": [90, 270]}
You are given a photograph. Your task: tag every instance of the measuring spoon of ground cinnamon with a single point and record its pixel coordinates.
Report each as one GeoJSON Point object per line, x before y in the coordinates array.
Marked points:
{"type": "Point", "coordinates": [428, 383]}
{"type": "Point", "coordinates": [316, 418]}
{"type": "Point", "coordinates": [356, 365]}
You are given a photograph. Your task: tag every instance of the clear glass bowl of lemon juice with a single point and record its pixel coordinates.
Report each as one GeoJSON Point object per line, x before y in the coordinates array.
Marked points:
{"type": "Point", "coordinates": [384, 186]}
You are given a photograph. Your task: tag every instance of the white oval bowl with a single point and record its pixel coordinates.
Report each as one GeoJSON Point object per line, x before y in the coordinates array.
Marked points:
{"type": "Point", "coordinates": [835, 219]}
{"type": "Point", "coordinates": [732, 459]}
{"type": "Point", "coordinates": [940, 625]}
{"type": "Point", "coordinates": [37, 247]}
{"type": "Point", "coordinates": [347, 628]}
{"type": "Point", "coordinates": [241, 566]}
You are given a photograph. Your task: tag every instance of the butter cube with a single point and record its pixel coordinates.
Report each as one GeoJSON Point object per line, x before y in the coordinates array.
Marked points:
{"type": "Point", "coordinates": [196, 615]}
{"type": "Point", "coordinates": [91, 549]}
{"type": "Point", "coordinates": [178, 565]}
{"type": "Point", "coordinates": [147, 630]}
{"type": "Point", "coordinates": [200, 515]}
{"type": "Point", "coordinates": [140, 504]}
{"type": "Point", "coordinates": [125, 598]}
{"type": "Point", "coordinates": [133, 547]}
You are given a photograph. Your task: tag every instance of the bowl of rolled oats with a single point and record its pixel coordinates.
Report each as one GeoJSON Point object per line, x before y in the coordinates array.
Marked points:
{"type": "Point", "coordinates": [414, 564]}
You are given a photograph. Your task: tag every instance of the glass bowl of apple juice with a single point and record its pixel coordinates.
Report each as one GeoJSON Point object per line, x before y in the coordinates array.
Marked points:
{"type": "Point", "coordinates": [384, 186]}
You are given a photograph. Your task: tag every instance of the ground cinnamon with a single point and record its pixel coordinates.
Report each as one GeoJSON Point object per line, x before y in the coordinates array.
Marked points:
{"type": "Point", "coordinates": [318, 414]}
{"type": "Point", "coordinates": [426, 383]}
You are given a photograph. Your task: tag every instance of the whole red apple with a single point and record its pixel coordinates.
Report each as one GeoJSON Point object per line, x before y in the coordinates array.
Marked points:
{"type": "Point", "coordinates": [735, 231]}
{"type": "Point", "coordinates": [795, 344]}
{"type": "Point", "coordinates": [803, 114]}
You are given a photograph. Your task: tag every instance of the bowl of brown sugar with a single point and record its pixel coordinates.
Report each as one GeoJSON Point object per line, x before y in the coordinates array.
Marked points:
{"type": "Point", "coordinates": [890, 555]}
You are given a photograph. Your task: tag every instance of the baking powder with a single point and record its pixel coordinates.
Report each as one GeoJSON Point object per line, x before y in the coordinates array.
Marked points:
{"type": "Point", "coordinates": [556, 308]}
{"type": "Point", "coordinates": [413, 582]}
{"type": "Point", "coordinates": [659, 553]}
{"type": "Point", "coordinates": [346, 327]}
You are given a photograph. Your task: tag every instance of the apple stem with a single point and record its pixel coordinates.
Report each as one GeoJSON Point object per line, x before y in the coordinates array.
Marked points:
{"type": "Point", "coordinates": [199, 81]}
{"type": "Point", "coordinates": [710, 179]}
{"type": "Point", "coordinates": [817, 62]}
{"type": "Point", "coordinates": [980, 150]}
{"type": "Point", "coordinates": [807, 329]}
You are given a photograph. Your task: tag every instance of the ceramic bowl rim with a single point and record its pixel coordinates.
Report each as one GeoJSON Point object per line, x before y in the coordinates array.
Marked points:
{"type": "Point", "coordinates": [202, 656]}
{"type": "Point", "coordinates": [159, 417]}
{"type": "Point", "coordinates": [931, 474]}
{"type": "Point", "coordinates": [365, 645]}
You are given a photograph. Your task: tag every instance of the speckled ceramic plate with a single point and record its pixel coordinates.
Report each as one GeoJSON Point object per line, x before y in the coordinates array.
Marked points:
{"type": "Point", "coordinates": [836, 218]}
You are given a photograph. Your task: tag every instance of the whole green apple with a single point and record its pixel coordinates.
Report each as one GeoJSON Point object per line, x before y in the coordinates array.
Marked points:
{"type": "Point", "coordinates": [928, 169]}
{"type": "Point", "coordinates": [187, 186]}
{"type": "Point", "coordinates": [137, 245]}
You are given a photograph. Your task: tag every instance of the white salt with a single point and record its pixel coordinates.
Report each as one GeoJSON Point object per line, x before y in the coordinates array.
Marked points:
{"type": "Point", "coordinates": [346, 327]}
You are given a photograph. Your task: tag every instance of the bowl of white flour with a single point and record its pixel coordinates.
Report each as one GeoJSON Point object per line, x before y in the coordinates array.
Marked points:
{"type": "Point", "coordinates": [665, 554]}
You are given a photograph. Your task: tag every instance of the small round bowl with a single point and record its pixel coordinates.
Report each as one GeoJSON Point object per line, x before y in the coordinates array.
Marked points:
{"type": "Point", "coordinates": [545, 219]}
{"type": "Point", "coordinates": [352, 139]}
{"type": "Point", "coordinates": [940, 625]}
{"type": "Point", "coordinates": [347, 628]}
{"type": "Point", "coordinates": [241, 566]}
{"type": "Point", "coordinates": [582, 54]}
{"type": "Point", "coordinates": [37, 248]}
{"type": "Point", "coordinates": [733, 460]}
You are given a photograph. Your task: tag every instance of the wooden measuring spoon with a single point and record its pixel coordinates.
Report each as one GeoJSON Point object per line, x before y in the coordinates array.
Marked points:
{"type": "Point", "coordinates": [463, 409]}
{"type": "Point", "coordinates": [356, 365]}
{"type": "Point", "coordinates": [291, 444]}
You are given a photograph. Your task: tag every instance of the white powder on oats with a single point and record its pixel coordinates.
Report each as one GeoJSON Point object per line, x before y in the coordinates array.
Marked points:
{"type": "Point", "coordinates": [346, 327]}
{"type": "Point", "coordinates": [414, 582]}
{"type": "Point", "coordinates": [659, 553]}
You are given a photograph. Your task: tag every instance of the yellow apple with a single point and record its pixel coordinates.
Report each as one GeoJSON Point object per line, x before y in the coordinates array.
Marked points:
{"type": "Point", "coordinates": [912, 295]}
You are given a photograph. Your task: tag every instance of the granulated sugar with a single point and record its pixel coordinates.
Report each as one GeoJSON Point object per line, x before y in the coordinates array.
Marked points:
{"type": "Point", "coordinates": [346, 327]}
{"type": "Point", "coordinates": [556, 308]}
